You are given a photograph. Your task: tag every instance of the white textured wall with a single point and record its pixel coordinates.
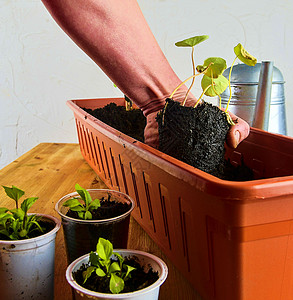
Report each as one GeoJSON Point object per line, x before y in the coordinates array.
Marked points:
{"type": "Point", "coordinates": [40, 67]}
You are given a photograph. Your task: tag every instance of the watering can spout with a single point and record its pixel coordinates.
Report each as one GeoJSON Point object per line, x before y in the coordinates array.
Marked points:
{"type": "Point", "coordinates": [263, 97]}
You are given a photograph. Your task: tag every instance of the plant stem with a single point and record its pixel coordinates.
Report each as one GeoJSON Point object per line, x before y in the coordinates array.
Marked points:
{"type": "Point", "coordinates": [195, 105]}
{"type": "Point", "coordinates": [193, 79]}
{"type": "Point", "coordinates": [183, 82]}
{"type": "Point", "coordinates": [230, 90]}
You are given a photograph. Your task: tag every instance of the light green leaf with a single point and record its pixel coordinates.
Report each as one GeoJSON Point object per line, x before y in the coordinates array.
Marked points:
{"type": "Point", "coordinates": [13, 192]}
{"type": "Point", "coordinates": [17, 213]}
{"type": "Point", "coordinates": [88, 215]}
{"type": "Point", "coordinates": [73, 202]}
{"type": "Point", "coordinates": [84, 194]}
{"type": "Point", "coordinates": [104, 249]}
{"type": "Point", "coordinates": [100, 272]}
{"type": "Point", "coordinates": [244, 56]}
{"type": "Point", "coordinates": [95, 204]}
{"type": "Point", "coordinates": [27, 203]}
{"type": "Point", "coordinates": [114, 267]}
{"type": "Point", "coordinates": [215, 66]}
{"type": "Point", "coordinates": [116, 284]}
{"type": "Point", "coordinates": [219, 85]}
{"type": "Point", "coordinates": [128, 270]}
{"type": "Point", "coordinates": [87, 273]}
{"type": "Point", "coordinates": [3, 210]}
{"type": "Point", "coordinates": [23, 233]}
{"type": "Point", "coordinates": [190, 42]}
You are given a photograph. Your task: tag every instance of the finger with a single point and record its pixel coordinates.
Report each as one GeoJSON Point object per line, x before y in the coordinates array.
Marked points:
{"type": "Point", "coordinates": [237, 132]}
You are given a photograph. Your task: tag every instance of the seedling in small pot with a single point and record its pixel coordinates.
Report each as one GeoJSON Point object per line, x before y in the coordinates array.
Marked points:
{"type": "Point", "coordinates": [84, 210]}
{"type": "Point", "coordinates": [123, 271]}
{"type": "Point", "coordinates": [16, 224]}
{"type": "Point", "coordinates": [102, 264]}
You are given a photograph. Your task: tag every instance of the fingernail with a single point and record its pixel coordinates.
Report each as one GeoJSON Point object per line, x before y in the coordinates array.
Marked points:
{"type": "Point", "coordinates": [236, 138]}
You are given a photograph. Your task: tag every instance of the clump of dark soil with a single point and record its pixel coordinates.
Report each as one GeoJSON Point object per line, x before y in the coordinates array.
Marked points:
{"type": "Point", "coordinates": [197, 136]}
{"type": "Point", "coordinates": [130, 122]}
{"type": "Point", "coordinates": [108, 209]}
{"type": "Point", "coordinates": [139, 278]}
{"type": "Point", "coordinates": [194, 136]}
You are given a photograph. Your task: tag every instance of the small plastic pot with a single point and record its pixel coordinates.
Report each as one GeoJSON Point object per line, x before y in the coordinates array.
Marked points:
{"type": "Point", "coordinates": [81, 236]}
{"type": "Point", "coordinates": [27, 266]}
{"type": "Point", "coordinates": [145, 259]}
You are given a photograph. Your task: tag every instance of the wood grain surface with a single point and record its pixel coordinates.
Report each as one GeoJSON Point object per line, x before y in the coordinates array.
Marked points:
{"type": "Point", "coordinates": [50, 171]}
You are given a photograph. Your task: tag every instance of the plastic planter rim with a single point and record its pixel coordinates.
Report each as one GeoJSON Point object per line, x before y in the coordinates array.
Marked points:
{"type": "Point", "coordinates": [42, 236]}
{"type": "Point", "coordinates": [63, 216]}
{"type": "Point", "coordinates": [81, 290]}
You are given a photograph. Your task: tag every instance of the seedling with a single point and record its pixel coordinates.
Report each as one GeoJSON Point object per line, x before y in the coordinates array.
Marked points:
{"type": "Point", "coordinates": [213, 83]}
{"type": "Point", "coordinates": [83, 209]}
{"type": "Point", "coordinates": [103, 265]}
{"type": "Point", "coordinates": [15, 223]}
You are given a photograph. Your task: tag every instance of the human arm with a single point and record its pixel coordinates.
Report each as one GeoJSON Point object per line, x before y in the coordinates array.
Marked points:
{"type": "Point", "coordinates": [116, 36]}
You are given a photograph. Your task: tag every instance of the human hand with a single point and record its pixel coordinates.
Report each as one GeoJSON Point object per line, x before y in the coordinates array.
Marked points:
{"type": "Point", "coordinates": [237, 133]}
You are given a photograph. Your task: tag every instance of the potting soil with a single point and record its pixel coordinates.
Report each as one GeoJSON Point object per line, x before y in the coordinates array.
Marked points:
{"type": "Point", "coordinates": [197, 136]}
{"type": "Point", "coordinates": [138, 280]}
{"type": "Point", "coordinates": [130, 122]}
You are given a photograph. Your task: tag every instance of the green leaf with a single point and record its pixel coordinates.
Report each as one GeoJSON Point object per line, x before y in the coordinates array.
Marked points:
{"type": "Point", "coordinates": [128, 270]}
{"type": "Point", "coordinates": [114, 267]}
{"type": "Point", "coordinates": [73, 202]}
{"type": "Point", "coordinates": [116, 284]}
{"type": "Point", "coordinates": [27, 203]}
{"type": "Point", "coordinates": [23, 233]}
{"type": "Point", "coordinates": [100, 272]}
{"type": "Point", "coordinates": [120, 258]}
{"type": "Point", "coordinates": [87, 273]}
{"type": "Point", "coordinates": [217, 66]}
{"type": "Point", "coordinates": [3, 210]}
{"type": "Point", "coordinates": [88, 215]}
{"type": "Point", "coordinates": [244, 56]}
{"type": "Point", "coordinates": [220, 84]}
{"type": "Point", "coordinates": [95, 204]}
{"type": "Point", "coordinates": [84, 194]}
{"type": "Point", "coordinates": [13, 192]}
{"type": "Point", "coordinates": [191, 42]}
{"type": "Point", "coordinates": [81, 214]}
{"type": "Point", "coordinates": [18, 213]}
{"type": "Point", "coordinates": [5, 232]}
{"type": "Point", "coordinates": [94, 259]}
{"type": "Point", "coordinates": [104, 249]}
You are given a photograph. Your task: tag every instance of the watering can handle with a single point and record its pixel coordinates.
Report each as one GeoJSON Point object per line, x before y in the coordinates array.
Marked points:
{"type": "Point", "coordinates": [263, 98]}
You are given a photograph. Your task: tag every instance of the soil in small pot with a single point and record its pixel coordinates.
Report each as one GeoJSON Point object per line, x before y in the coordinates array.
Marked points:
{"type": "Point", "coordinates": [139, 278]}
{"type": "Point", "coordinates": [197, 136]}
{"type": "Point", "coordinates": [47, 226]}
{"type": "Point", "coordinates": [108, 209]}
{"type": "Point", "coordinates": [130, 122]}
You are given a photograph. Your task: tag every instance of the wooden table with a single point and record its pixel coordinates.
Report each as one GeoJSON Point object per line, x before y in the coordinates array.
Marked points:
{"type": "Point", "coordinates": [50, 171]}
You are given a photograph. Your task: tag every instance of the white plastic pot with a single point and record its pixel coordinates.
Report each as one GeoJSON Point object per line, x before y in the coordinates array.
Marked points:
{"type": "Point", "coordinates": [149, 293]}
{"type": "Point", "coordinates": [27, 266]}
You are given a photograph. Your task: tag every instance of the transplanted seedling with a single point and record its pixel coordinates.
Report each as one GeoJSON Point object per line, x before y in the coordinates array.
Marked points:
{"type": "Point", "coordinates": [15, 223]}
{"type": "Point", "coordinates": [213, 83]}
{"type": "Point", "coordinates": [83, 209]}
{"type": "Point", "coordinates": [103, 265]}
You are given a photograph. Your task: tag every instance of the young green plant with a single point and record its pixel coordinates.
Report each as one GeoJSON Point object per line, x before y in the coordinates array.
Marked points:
{"type": "Point", "coordinates": [83, 209]}
{"type": "Point", "coordinates": [103, 265]}
{"type": "Point", "coordinates": [15, 223]}
{"type": "Point", "coordinates": [213, 83]}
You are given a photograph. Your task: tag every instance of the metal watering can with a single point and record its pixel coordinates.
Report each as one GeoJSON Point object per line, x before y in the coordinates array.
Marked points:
{"type": "Point", "coordinates": [257, 96]}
